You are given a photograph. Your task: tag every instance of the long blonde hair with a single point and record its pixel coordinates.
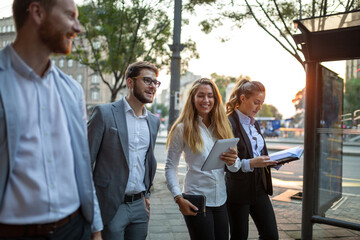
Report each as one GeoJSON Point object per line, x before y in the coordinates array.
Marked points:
{"type": "Point", "coordinates": [244, 87]}
{"type": "Point", "coordinates": [189, 118]}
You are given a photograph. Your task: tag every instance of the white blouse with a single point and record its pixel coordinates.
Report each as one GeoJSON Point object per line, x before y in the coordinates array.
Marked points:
{"type": "Point", "coordinates": [209, 183]}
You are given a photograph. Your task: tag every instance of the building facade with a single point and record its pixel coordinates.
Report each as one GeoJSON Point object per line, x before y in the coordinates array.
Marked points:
{"type": "Point", "coordinates": [96, 92]}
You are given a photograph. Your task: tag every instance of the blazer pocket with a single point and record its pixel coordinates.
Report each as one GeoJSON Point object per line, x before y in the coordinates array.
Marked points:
{"type": "Point", "coordinates": [113, 130]}
{"type": "Point", "coordinates": [101, 182]}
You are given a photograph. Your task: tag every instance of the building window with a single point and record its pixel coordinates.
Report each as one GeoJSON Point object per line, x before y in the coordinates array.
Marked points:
{"type": "Point", "coordinates": [95, 79]}
{"type": "Point", "coordinates": [9, 28]}
{"type": "Point", "coordinates": [70, 63]}
{"type": "Point", "coordinates": [95, 94]}
{"type": "Point", "coordinates": [71, 76]}
{"type": "Point", "coordinates": [61, 63]}
{"type": "Point", "coordinates": [79, 78]}
{"type": "Point", "coordinates": [53, 62]}
{"type": "Point", "coordinates": [3, 29]}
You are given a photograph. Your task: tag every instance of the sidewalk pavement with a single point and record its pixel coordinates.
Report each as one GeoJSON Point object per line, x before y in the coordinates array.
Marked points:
{"type": "Point", "coordinates": [167, 223]}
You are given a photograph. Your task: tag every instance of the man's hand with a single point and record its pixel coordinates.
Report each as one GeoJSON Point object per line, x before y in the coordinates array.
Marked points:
{"type": "Point", "coordinates": [96, 236]}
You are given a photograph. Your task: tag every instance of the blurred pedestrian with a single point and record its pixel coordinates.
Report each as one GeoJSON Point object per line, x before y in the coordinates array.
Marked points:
{"type": "Point", "coordinates": [122, 138]}
{"type": "Point", "coordinates": [201, 123]}
{"type": "Point", "coordinates": [46, 188]}
{"type": "Point", "coordinates": [249, 188]}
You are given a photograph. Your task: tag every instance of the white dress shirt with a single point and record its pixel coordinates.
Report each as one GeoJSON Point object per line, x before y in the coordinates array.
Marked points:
{"type": "Point", "coordinates": [209, 183]}
{"type": "Point", "coordinates": [42, 186]}
{"type": "Point", "coordinates": [256, 140]}
{"type": "Point", "coordinates": [139, 141]}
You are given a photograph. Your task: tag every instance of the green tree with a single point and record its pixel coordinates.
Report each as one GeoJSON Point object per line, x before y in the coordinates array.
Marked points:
{"type": "Point", "coordinates": [160, 108]}
{"type": "Point", "coordinates": [222, 82]}
{"type": "Point", "coordinates": [117, 33]}
{"type": "Point", "coordinates": [352, 96]}
{"type": "Point", "coordinates": [275, 17]}
{"type": "Point", "coordinates": [299, 100]}
{"type": "Point", "coordinates": [269, 110]}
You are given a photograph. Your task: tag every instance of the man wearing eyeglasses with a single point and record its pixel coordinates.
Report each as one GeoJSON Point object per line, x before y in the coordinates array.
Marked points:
{"type": "Point", "coordinates": [122, 138]}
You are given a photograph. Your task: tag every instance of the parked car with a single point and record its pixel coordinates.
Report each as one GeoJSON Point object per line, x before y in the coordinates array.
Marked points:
{"type": "Point", "coordinates": [271, 133]}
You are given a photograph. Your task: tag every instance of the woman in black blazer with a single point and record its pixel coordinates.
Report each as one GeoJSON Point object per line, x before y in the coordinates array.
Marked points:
{"type": "Point", "coordinates": [249, 188]}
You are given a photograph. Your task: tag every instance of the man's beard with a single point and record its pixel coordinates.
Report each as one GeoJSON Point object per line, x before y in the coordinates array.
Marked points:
{"type": "Point", "coordinates": [139, 96]}
{"type": "Point", "coordinates": [53, 38]}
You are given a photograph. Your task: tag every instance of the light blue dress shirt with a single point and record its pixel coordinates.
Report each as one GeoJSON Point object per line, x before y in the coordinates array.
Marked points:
{"type": "Point", "coordinates": [42, 185]}
{"type": "Point", "coordinates": [139, 140]}
{"type": "Point", "coordinates": [256, 140]}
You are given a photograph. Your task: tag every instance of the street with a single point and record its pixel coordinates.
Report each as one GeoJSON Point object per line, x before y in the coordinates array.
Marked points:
{"type": "Point", "coordinates": [290, 175]}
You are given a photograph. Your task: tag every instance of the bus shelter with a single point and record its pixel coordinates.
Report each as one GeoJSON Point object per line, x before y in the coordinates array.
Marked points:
{"type": "Point", "coordinates": [329, 38]}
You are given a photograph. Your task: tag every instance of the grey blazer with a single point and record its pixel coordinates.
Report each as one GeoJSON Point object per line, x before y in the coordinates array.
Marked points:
{"type": "Point", "coordinates": [72, 98]}
{"type": "Point", "coordinates": [109, 150]}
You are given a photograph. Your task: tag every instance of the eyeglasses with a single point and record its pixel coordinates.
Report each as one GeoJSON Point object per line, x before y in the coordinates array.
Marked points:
{"type": "Point", "coordinates": [148, 81]}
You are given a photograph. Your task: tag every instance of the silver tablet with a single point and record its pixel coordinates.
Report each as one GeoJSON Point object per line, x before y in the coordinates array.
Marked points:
{"type": "Point", "coordinates": [213, 160]}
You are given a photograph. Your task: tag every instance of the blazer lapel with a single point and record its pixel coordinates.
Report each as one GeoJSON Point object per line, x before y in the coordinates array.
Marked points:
{"type": "Point", "coordinates": [120, 121]}
{"type": "Point", "coordinates": [9, 99]}
{"type": "Point", "coordinates": [243, 133]}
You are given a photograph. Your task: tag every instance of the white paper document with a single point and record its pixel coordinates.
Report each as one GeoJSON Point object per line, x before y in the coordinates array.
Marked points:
{"type": "Point", "coordinates": [287, 155]}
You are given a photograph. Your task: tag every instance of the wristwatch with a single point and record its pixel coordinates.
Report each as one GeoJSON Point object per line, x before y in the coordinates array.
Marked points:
{"type": "Point", "coordinates": [177, 197]}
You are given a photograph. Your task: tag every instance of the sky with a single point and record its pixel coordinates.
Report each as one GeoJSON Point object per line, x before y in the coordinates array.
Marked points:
{"type": "Point", "coordinates": [249, 51]}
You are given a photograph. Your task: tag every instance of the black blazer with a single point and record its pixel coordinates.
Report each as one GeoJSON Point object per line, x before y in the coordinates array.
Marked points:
{"type": "Point", "coordinates": [240, 186]}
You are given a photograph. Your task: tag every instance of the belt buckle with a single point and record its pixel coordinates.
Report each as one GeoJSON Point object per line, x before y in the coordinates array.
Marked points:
{"type": "Point", "coordinates": [53, 228]}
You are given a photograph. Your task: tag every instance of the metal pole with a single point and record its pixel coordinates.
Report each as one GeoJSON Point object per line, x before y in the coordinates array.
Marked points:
{"type": "Point", "coordinates": [176, 48]}
{"type": "Point", "coordinates": [309, 149]}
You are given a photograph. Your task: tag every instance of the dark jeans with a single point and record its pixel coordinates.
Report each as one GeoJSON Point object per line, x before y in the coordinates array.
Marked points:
{"type": "Point", "coordinates": [77, 229]}
{"type": "Point", "coordinates": [213, 226]}
{"type": "Point", "coordinates": [261, 212]}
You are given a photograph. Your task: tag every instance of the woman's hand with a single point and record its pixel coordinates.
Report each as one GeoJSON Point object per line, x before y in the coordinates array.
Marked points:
{"type": "Point", "coordinates": [229, 157]}
{"type": "Point", "coordinates": [261, 161]}
{"type": "Point", "coordinates": [185, 207]}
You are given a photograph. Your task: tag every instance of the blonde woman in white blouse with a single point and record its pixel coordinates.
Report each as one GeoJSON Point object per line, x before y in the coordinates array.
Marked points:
{"type": "Point", "coordinates": [201, 123]}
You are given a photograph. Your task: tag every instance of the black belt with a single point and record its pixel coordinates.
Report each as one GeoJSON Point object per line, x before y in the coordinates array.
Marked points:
{"type": "Point", "coordinates": [133, 197]}
{"type": "Point", "coordinates": [33, 230]}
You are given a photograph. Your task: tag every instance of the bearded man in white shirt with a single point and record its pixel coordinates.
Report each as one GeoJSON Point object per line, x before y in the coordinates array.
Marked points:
{"type": "Point", "coordinates": [122, 139]}
{"type": "Point", "coordinates": [46, 188]}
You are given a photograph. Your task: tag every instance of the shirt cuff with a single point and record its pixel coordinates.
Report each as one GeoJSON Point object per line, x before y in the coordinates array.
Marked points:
{"type": "Point", "coordinates": [235, 166]}
{"type": "Point", "coordinates": [245, 165]}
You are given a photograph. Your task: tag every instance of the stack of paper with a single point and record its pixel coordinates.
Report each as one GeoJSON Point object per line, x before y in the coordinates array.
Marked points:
{"type": "Point", "coordinates": [287, 155]}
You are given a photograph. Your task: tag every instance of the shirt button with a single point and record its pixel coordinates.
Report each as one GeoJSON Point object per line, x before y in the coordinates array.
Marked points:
{"type": "Point", "coordinates": [43, 108]}
{"type": "Point", "coordinates": [48, 160]}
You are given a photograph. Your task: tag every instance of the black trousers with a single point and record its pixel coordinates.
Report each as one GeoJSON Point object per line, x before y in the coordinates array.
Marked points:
{"type": "Point", "coordinates": [77, 229]}
{"type": "Point", "coordinates": [261, 212]}
{"type": "Point", "coordinates": [213, 226]}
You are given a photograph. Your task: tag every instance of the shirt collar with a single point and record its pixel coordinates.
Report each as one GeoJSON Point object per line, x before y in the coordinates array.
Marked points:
{"type": "Point", "coordinates": [203, 124]}
{"type": "Point", "coordinates": [23, 69]}
{"type": "Point", "coordinates": [129, 109]}
{"type": "Point", "coordinates": [245, 119]}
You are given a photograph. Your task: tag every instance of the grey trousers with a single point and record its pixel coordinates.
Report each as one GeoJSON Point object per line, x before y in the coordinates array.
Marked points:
{"type": "Point", "coordinates": [129, 223]}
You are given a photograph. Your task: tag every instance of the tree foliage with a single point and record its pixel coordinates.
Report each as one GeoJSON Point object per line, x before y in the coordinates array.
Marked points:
{"type": "Point", "coordinates": [275, 17]}
{"type": "Point", "coordinates": [269, 110]}
{"type": "Point", "coordinates": [160, 108]}
{"type": "Point", "coordinates": [352, 96]}
{"type": "Point", "coordinates": [299, 100]}
{"type": "Point", "coordinates": [222, 82]}
{"type": "Point", "coordinates": [119, 32]}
